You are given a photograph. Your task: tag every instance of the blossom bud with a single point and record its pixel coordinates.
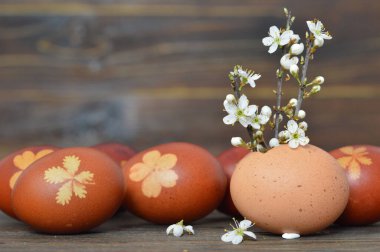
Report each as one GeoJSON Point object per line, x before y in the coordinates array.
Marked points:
{"type": "Point", "coordinates": [301, 114]}
{"type": "Point", "coordinates": [296, 49]}
{"type": "Point", "coordinates": [280, 117]}
{"type": "Point", "coordinates": [260, 148]}
{"type": "Point", "coordinates": [230, 98]}
{"type": "Point", "coordinates": [303, 125]}
{"type": "Point", "coordinates": [259, 133]}
{"type": "Point", "coordinates": [295, 38]}
{"type": "Point", "coordinates": [266, 111]}
{"type": "Point", "coordinates": [237, 141]}
{"type": "Point", "coordinates": [319, 80]}
{"type": "Point", "coordinates": [318, 42]}
{"type": "Point", "coordinates": [315, 89]}
{"type": "Point", "coordinates": [294, 70]}
{"type": "Point", "coordinates": [293, 102]}
{"type": "Point", "coordinates": [274, 142]}
{"type": "Point", "coordinates": [286, 61]}
{"type": "Point", "coordinates": [284, 134]}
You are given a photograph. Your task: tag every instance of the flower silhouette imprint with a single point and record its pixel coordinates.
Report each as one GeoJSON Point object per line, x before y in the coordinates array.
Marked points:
{"type": "Point", "coordinates": [23, 160]}
{"type": "Point", "coordinates": [355, 157]}
{"type": "Point", "coordinates": [156, 171]}
{"type": "Point", "coordinates": [73, 182]}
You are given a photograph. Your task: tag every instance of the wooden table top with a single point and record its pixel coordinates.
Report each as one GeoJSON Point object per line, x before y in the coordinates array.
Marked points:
{"type": "Point", "coordinates": [127, 233]}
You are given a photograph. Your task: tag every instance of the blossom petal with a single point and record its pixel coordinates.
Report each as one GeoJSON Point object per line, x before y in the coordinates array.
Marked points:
{"type": "Point", "coordinates": [325, 36]}
{"type": "Point", "coordinates": [292, 126]}
{"type": "Point", "coordinates": [273, 48]}
{"type": "Point", "coordinates": [229, 236]}
{"type": "Point", "coordinates": [311, 26]}
{"type": "Point", "coordinates": [250, 234]}
{"type": "Point", "coordinates": [166, 162]}
{"type": "Point", "coordinates": [150, 158]}
{"type": "Point", "coordinates": [290, 236]}
{"type": "Point", "coordinates": [274, 31]}
{"type": "Point", "coordinates": [189, 229]}
{"type": "Point", "coordinates": [139, 171]}
{"type": "Point", "coordinates": [285, 37]}
{"type": "Point", "coordinates": [177, 231]}
{"type": "Point", "coordinates": [319, 26]}
{"type": "Point", "coordinates": [244, 224]}
{"type": "Point", "coordinates": [304, 141]}
{"type": "Point", "coordinates": [229, 119]}
{"type": "Point", "coordinates": [250, 110]}
{"type": "Point", "coordinates": [293, 143]}
{"type": "Point", "coordinates": [230, 107]}
{"type": "Point", "coordinates": [170, 228]}
{"type": "Point", "coordinates": [255, 125]}
{"type": "Point", "coordinates": [244, 121]}
{"type": "Point", "coordinates": [151, 186]}
{"type": "Point", "coordinates": [167, 178]}
{"type": "Point", "coordinates": [263, 119]}
{"type": "Point", "coordinates": [237, 239]}
{"type": "Point", "coordinates": [243, 102]}
{"type": "Point", "coordinates": [267, 41]}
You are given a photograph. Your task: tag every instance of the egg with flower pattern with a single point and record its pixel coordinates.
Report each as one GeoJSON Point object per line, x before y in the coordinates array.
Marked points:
{"type": "Point", "coordinates": [70, 191]}
{"type": "Point", "coordinates": [172, 182]}
{"type": "Point", "coordinates": [12, 166]}
{"type": "Point", "coordinates": [362, 166]}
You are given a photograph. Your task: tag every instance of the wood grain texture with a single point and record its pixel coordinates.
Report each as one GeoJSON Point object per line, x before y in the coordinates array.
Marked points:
{"type": "Point", "coordinates": [127, 233]}
{"type": "Point", "coordinates": [148, 72]}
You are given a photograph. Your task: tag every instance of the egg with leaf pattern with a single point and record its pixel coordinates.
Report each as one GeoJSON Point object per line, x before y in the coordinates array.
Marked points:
{"type": "Point", "coordinates": [70, 191]}
{"type": "Point", "coordinates": [12, 166]}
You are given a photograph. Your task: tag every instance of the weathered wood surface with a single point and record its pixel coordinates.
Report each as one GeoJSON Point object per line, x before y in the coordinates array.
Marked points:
{"type": "Point", "coordinates": [148, 72]}
{"type": "Point", "coordinates": [128, 233]}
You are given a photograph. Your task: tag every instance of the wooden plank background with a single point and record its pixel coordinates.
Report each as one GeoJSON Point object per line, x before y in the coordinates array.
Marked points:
{"type": "Point", "coordinates": [147, 72]}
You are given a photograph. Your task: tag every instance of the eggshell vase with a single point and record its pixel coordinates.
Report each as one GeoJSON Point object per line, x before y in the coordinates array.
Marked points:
{"type": "Point", "coordinates": [286, 190]}
{"type": "Point", "coordinates": [172, 182]}
{"type": "Point", "coordinates": [228, 159]}
{"type": "Point", "coordinates": [12, 166]}
{"type": "Point", "coordinates": [361, 164]}
{"type": "Point", "coordinates": [118, 152]}
{"type": "Point", "coordinates": [70, 191]}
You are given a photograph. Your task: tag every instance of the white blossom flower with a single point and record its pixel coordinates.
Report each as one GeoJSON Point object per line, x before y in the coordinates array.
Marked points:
{"type": "Point", "coordinates": [239, 230]}
{"type": "Point", "coordinates": [301, 114]}
{"type": "Point", "coordinates": [178, 228]}
{"type": "Point", "coordinates": [276, 39]}
{"type": "Point", "coordinates": [262, 118]}
{"type": "Point", "coordinates": [296, 49]}
{"type": "Point", "coordinates": [290, 236]}
{"type": "Point", "coordinates": [295, 136]}
{"type": "Point", "coordinates": [246, 77]}
{"type": "Point", "coordinates": [241, 111]}
{"type": "Point", "coordinates": [237, 141]}
{"type": "Point", "coordinates": [318, 30]}
{"type": "Point", "coordinates": [293, 69]}
{"type": "Point", "coordinates": [286, 61]}
{"type": "Point", "coordinates": [274, 142]}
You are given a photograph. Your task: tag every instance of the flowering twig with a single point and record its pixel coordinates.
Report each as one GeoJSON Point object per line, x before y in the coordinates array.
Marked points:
{"type": "Point", "coordinates": [280, 77]}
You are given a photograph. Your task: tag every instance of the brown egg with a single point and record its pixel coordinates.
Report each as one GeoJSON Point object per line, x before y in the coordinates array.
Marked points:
{"type": "Point", "coordinates": [70, 191]}
{"type": "Point", "coordinates": [174, 181]}
{"type": "Point", "coordinates": [286, 190]}
{"type": "Point", "coordinates": [12, 166]}
{"type": "Point", "coordinates": [228, 159]}
{"type": "Point", "coordinates": [118, 152]}
{"type": "Point", "coordinates": [361, 164]}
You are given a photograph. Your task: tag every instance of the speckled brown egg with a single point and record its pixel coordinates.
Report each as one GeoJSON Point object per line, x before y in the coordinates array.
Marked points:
{"type": "Point", "coordinates": [174, 181]}
{"type": "Point", "coordinates": [286, 190]}
{"type": "Point", "coordinates": [118, 152]}
{"type": "Point", "coordinates": [12, 166]}
{"type": "Point", "coordinates": [228, 159]}
{"type": "Point", "coordinates": [361, 164]}
{"type": "Point", "coordinates": [70, 191]}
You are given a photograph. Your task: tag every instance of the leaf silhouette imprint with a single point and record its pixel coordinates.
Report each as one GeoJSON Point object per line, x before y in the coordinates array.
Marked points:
{"type": "Point", "coordinates": [355, 157]}
{"type": "Point", "coordinates": [73, 182]}
{"type": "Point", "coordinates": [23, 160]}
